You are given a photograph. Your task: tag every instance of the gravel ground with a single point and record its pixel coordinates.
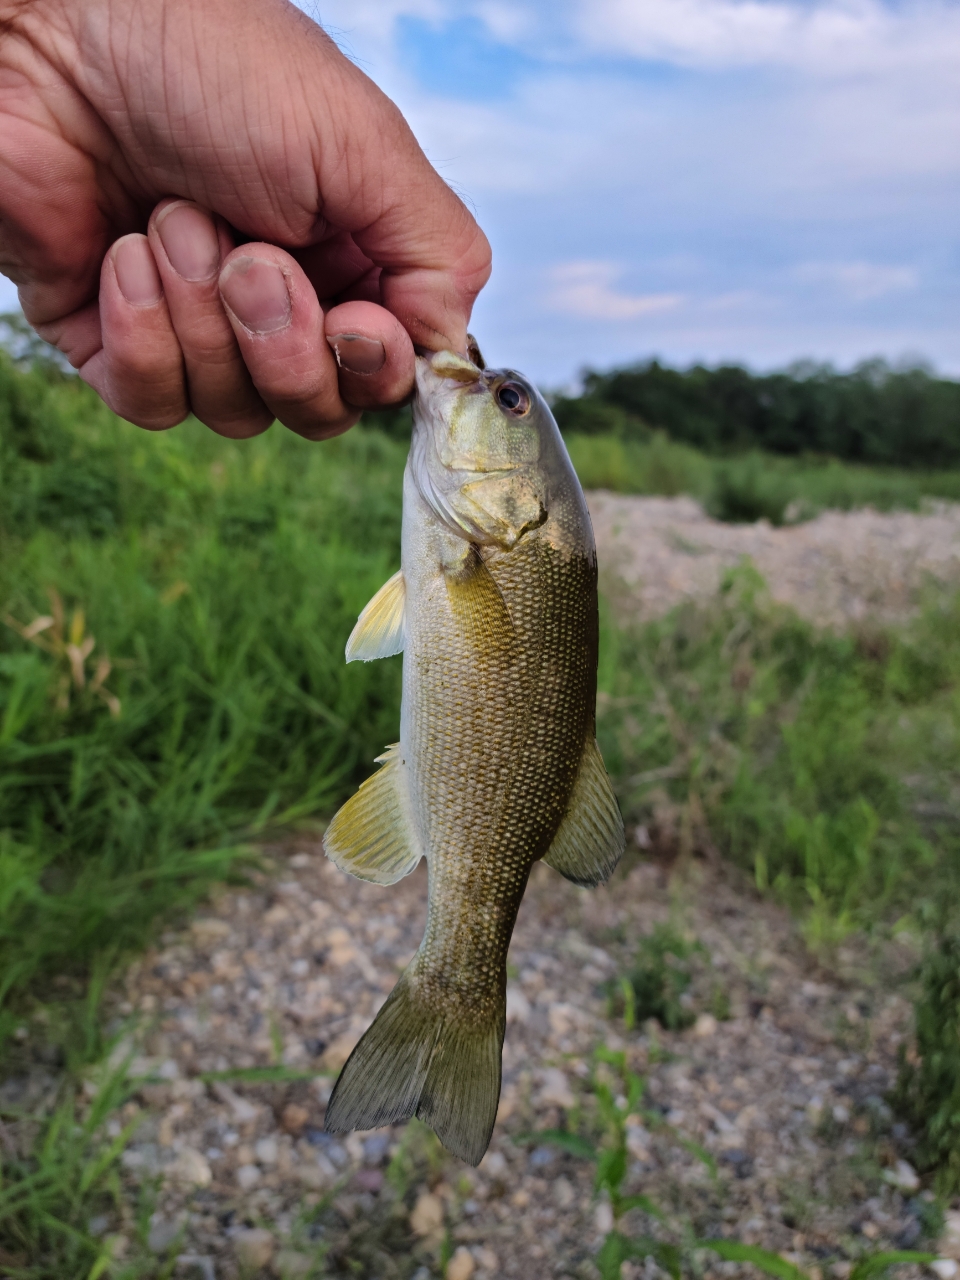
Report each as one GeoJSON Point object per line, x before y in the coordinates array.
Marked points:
{"type": "Point", "coordinates": [836, 570]}
{"type": "Point", "coordinates": [786, 1093]}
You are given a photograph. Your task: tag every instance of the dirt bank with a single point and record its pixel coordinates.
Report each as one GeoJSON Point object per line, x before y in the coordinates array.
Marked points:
{"type": "Point", "coordinates": [843, 567]}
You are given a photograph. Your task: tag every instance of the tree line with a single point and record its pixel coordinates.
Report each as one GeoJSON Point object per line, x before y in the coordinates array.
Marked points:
{"type": "Point", "coordinates": [905, 417]}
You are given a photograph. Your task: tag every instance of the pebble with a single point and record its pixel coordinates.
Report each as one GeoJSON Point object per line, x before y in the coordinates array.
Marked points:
{"type": "Point", "coordinates": [461, 1266]}
{"type": "Point", "coordinates": [945, 1268]}
{"type": "Point", "coordinates": [903, 1176]}
{"type": "Point", "coordinates": [192, 1167]}
{"type": "Point", "coordinates": [266, 1150]}
{"type": "Point", "coordinates": [752, 1092]}
{"type": "Point", "coordinates": [291, 1265]}
{"type": "Point", "coordinates": [294, 1119]}
{"type": "Point", "coordinates": [555, 1089]}
{"type": "Point", "coordinates": [603, 1217]}
{"type": "Point", "coordinates": [163, 1232]}
{"type": "Point", "coordinates": [253, 1247]}
{"type": "Point", "coordinates": [427, 1215]}
{"type": "Point", "coordinates": [248, 1175]}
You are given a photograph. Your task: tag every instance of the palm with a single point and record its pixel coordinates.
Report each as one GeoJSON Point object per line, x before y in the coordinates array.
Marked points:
{"type": "Point", "coordinates": [244, 108]}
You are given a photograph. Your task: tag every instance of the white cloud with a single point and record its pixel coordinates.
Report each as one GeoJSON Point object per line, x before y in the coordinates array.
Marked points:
{"type": "Point", "coordinates": [824, 133]}
{"type": "Point", "coordinates": [838, 37]}
{"type": "Point", "coordinates": [858, 281]}
{"type": "Point", "coordinates": [586, 289]}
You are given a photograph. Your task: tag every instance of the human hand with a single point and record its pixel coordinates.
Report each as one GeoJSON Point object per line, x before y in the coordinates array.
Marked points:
{"type": "Point", "coordinates": [192, 121]}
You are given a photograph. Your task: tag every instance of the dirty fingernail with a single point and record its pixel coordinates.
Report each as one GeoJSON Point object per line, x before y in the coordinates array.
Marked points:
{"type": "Point", "coordinates": [256, 292]}
{"type": "Point", "coordinates": [190, 241]}
{"type": "Point", "coordinates": [137, 273]}
{"type": "Point", "coordinates": [357, 354]}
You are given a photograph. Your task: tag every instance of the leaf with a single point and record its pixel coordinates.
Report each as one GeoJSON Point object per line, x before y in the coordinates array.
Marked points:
{"type": "Point", "coordinates": [640, 1202]}
{"type": "Point", "coordinates": [260, 1075]}
{"type": "Point", "coordinates": [770, 1263]}
{"type": "Point", "coordinates": [611, 1169]}
{"type": "Point", "coordinates": [571, 1142]}
{"type": "Point", "coordinates": [878, 1262]}
{"type": "Point", "coordinates": [701, 1153]}
{"type": "Point", "coordinates": [617, 1248]}
{"type": "Point", "coordinates": [613, 1057]}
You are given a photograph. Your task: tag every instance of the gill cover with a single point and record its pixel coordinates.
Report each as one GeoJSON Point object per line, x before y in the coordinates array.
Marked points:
{"type": "Point", "coordinates": [474, 461]}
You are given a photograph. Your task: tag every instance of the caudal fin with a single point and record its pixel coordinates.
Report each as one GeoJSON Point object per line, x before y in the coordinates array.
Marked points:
{"type": "Point", "coordinates": [413, 1061]}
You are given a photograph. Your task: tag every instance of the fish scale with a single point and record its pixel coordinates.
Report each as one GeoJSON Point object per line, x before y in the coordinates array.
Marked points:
{"type": "Point", "coordinates": [495, 610]}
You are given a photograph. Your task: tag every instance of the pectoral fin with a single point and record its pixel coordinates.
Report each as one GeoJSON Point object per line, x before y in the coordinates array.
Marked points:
{"type": "Point", "coordinates": [372, 837]}
{"type": "Point", "coordinates": [590, 839]}
{"type": "Point", "coordinates": [379, 629]}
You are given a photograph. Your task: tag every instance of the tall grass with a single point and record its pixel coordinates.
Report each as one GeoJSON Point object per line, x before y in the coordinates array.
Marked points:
{"type": "Point", "coordinates": [219, 581]}
{"type": "Point", "coordinates": [823, 765]}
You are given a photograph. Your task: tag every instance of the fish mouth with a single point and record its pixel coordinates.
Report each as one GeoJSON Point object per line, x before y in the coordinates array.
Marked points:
{"type": "Point", "coordinates": [450, 365]}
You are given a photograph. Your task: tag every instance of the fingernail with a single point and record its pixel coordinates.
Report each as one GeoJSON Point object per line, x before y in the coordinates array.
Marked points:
{"type": "Point", "coordinates": [190, 241]}
{"type": "Point", "coordinates": [137, 273]}
{"type": "Point", "coordinates": [256, 292]}
{"type": "Point", "coordinates": [357, 354]}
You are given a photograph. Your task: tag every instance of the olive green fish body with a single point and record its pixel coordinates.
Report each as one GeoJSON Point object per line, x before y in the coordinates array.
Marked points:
{"type": "Point", "coordinates": [497, 765]}
{"type": "Point", "coordinates": [499, 693]}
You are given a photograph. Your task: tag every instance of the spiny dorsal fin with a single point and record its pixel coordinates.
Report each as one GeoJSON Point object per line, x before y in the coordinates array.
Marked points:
{"type": "Point", "coordinates": [379, 629]}
{"type": "Point", "coordinates": [372, 835]}
{"type": "Point", "coordinates": [590, 840]}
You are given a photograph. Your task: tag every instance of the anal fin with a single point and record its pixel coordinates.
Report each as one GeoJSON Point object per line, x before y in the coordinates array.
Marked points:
{"type": "Point", "coordinates": [372, 835]}
{"type": "Point", "coordinates": [379, 629]}
{"type": "Point", "coordinates": [590, 840]}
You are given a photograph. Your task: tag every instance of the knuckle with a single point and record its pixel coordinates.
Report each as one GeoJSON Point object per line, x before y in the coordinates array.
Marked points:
{"type": "Point", "coordinates": [237, 426]}
{"type": "Point", "coordinates": [320, 428]}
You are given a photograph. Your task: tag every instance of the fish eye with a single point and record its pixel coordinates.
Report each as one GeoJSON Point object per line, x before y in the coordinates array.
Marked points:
{"type": "Point", "coordinates": [513, 398]}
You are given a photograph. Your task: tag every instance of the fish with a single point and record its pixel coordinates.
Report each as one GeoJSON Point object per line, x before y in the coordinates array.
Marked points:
{"type": "Point", "coordinates": [495, 611]}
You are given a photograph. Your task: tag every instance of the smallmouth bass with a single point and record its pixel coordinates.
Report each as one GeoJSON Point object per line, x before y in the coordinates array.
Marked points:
{"type": "Point", "coordinates": [495, 611]}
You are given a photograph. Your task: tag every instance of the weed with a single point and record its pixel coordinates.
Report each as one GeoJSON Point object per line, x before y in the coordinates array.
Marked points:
{"type": "Point", "coordinates": [61, 1187]}
{"type": "Point", "coordinates": [618, 1094]}
{"type": "Point", "coordinates": [658, 984]}
{"type": "Point", "coordinates": [928, 1088]}
{"type": "Point", "coordinates": [736, 729]}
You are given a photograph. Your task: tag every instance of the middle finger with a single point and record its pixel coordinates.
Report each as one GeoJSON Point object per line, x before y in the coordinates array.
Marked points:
{"type": "Point", "coordinates": [189, 245]}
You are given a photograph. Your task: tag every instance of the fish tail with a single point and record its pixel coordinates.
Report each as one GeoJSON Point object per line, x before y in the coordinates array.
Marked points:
{"type": "Point", "coordinates": [414, 1061]}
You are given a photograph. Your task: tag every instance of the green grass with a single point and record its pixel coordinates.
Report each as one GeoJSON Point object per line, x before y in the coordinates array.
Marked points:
{"type": "Point", "coordinates": [220, 581]}
{"type": "Point", "coordinates": [928, 1088]}
{"type": "Point", "coordinates": [751, 486]}
{"type": "Point", "coordinates": [823, 765]}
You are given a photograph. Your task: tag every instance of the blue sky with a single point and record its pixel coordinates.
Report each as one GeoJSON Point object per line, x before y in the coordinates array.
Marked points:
{"type": "Point", "coordinates": [757, 180]}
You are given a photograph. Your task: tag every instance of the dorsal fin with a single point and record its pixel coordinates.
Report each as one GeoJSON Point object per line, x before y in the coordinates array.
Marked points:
{"type": "Point", "coordinates": [590, 840]}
